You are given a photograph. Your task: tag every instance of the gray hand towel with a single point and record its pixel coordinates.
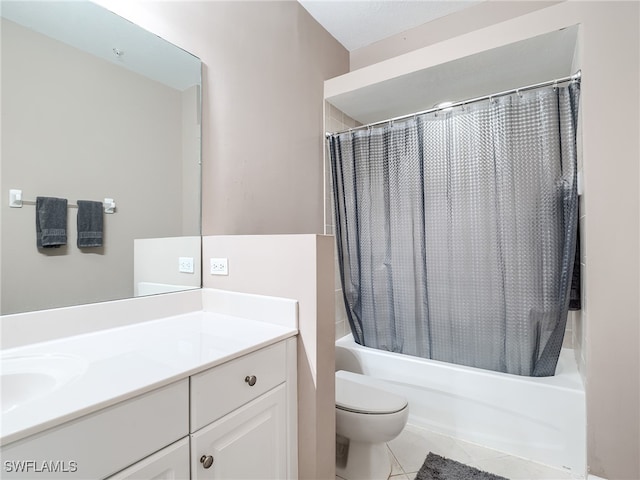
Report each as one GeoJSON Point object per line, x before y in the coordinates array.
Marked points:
{"type": "Point", "coordinates": [51, 222]}
{"type": "Point", "coordinates": [90, 225]}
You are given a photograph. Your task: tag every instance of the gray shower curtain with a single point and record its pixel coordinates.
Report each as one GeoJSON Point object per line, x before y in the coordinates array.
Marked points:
{"type": "Point", "coordinates": [456, 231]}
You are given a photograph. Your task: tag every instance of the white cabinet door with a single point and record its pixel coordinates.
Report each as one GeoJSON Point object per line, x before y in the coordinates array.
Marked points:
{"type": "Point", "coordinates": [248, 443]}
{"type": "Point", "coordinates": [170, 463]}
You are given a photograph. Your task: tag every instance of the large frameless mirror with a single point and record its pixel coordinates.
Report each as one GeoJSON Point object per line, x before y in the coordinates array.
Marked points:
{"type": "Point", "coordinates": [95, 107]}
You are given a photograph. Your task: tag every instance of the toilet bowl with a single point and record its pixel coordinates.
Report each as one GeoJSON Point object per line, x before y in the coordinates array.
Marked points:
{"type": "Point", "coordinates": [367, 416]}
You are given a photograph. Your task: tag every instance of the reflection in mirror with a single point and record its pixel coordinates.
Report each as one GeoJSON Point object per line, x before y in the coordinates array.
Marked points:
{"type": "Point", "coordinates": [95, 107]}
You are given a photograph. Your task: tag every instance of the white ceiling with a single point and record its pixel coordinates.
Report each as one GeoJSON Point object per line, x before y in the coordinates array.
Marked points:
{"type": "Point", "coordinates": [358, 23]}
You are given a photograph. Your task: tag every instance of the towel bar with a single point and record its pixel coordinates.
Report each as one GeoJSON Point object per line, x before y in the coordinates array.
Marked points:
{"type": "Point", "coordinates": [16, 201]}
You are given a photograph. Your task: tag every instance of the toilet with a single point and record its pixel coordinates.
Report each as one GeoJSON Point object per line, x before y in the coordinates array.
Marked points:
{"type": "Point", "coordinates": [367, 416]}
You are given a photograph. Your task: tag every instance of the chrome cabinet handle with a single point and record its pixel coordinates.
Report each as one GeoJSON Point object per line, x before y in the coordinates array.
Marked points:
{"type": "Point", "coordinates": [206, 461]}
{"type": "Point", "coordinates": [251, 380]}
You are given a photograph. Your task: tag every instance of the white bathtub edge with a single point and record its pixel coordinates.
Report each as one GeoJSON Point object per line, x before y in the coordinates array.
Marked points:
{"type": "Point", "coordinates": [482, 407]}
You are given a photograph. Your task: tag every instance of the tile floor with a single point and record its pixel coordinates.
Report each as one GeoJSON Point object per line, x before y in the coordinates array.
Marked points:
{"type": "Point", "coordinates": [409, 450]}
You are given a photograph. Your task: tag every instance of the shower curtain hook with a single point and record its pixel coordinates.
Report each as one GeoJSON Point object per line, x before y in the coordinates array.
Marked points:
{"type": "Point", "coordinates": [518, 93]}
{"type": "Point", "coordinates": [555, 85]}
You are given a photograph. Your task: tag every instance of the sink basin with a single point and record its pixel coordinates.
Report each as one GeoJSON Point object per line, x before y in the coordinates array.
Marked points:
{"type": "Point", "coordinates": [24, 378]}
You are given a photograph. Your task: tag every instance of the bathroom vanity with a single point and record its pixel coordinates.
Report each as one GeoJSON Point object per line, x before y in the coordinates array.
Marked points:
{"type": "Point", "coordinates": [204, 394]}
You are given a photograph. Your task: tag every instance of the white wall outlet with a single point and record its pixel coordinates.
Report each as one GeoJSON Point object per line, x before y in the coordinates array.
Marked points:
{"type": "Point", "coordinates": [219, 266]}
{"type": "Point", "coordinates": [185, 264]}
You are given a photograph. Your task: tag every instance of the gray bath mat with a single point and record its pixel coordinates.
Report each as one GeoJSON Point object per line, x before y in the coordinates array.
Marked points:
{"type": "Point", "coordinates": [436, 467]}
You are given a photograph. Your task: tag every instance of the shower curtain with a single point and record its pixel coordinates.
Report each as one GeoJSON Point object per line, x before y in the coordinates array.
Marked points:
{"type": "Point", "coordinates": [456, 230]}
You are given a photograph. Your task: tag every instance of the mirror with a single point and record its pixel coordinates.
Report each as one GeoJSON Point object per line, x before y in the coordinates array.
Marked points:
{"type": "Point", "coordinates": [95, 107]}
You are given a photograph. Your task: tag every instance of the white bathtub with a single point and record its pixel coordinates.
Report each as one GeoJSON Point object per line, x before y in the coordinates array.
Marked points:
{"type": "Point", "coordinates": [541, 419]}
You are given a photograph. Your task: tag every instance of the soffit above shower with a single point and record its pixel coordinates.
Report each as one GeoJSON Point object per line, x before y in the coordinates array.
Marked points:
{"type": "Point", "coordinates": [526, 62]}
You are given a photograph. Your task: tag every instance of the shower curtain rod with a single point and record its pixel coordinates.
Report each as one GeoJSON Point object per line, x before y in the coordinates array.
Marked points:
{"type": "Point", "coordinates": [570, 78]}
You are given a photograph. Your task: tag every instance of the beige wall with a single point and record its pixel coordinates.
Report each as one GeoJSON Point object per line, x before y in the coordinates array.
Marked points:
{"type": "Point", "coordinates": [610, 223]}
{"type": "Point", "coordinates": [298, 267]}
{"type": "Point", "coordinates": [78, 127]}
{"type": "Point", "coordinates": [608, 328]}
{"type": "Point", "coordinates": [265, 170]}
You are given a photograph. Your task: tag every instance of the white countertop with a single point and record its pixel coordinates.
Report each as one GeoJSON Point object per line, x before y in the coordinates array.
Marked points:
{"type": "Point", "coordinates": [120, 363]}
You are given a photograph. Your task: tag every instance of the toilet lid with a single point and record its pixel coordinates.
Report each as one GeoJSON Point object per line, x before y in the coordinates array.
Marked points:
{"type": "Point", "coordinates": [354, 395]}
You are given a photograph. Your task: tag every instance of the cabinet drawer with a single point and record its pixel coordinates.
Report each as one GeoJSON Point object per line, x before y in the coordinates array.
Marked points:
{"type": "Point", "coordinates": [220, 390]}
{"type": "Point", "coordinates": [102, 443]}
